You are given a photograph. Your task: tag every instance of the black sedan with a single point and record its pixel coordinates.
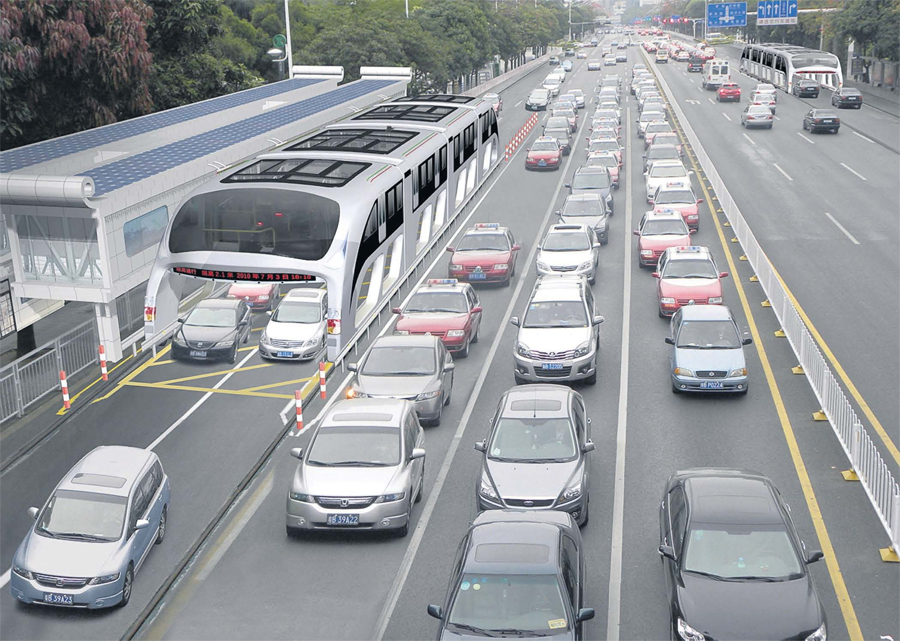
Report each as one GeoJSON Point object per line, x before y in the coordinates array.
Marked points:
{"type": "Point", "coordinates": [735, 566]}
{"type": "Point", "coordinates": [805, 88]}
{"type": "Point", "coordinates": [516, 575]}
{"type": "Point", "coordinates": [847, 97]}
{"type": "Point", "coordinates": [821, 120]}
{"type": "Point", "coordinates": [212, 331]}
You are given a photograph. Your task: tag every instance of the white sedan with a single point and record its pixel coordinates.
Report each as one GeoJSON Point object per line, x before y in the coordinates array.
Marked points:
{"type": "Point", "coordinates": [668, 174]}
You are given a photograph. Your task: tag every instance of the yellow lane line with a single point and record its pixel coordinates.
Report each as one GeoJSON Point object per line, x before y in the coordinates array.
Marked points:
{"type": "Point", "coordinates": [63, 410]}
{"type": "Point", "coordinates": [189, 388]}
{"type": "Point", "coordinates": [216, 373]}
{"type": "Point", "coordinates": [245, 349]}
{"type": "Point", "coordinates": [834, 570]}
{"type": "Point", "coordinates": [132, 375]}
{"type": "Point", "coordinates": [281, 384]}
{"type": "Point", "coordinates": [836, 366]}
{"type": "Point", "coordinates": [167, 362]}
{"type": "Point", "coordinates": [257, 329]}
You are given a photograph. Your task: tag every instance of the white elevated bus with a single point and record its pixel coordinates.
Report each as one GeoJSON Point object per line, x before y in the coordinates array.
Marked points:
{"type": "Point", "coordinates": [351, 206]}
{"type": "Point", "coordinates": [782, 64]}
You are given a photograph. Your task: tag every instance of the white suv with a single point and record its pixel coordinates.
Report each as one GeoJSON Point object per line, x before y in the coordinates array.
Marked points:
{"type": "Point", "coordinates": [559, 334]}
{"type": "Point", "coordinates": [296, 331]}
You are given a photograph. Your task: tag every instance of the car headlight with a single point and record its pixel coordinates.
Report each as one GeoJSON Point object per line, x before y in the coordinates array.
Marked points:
{"type": "Point", "coordinates": [303, 498]}
{"type": "Point", "coordinates": [424, 396]}
{"type": "Point", "coordinates": [312, 341]}
{"type": "Point", "coordinates": [646, 252]}
{"type": "Point", "coordinates": [262, 297]}
{"type": "Point", "coordinates": [715, 300]}
{"type": "Point", "coordinates": [501, 266]}
{"type": "Point", "coordinates": [264, 338]}
{"type": "Point", "coordinates": [106, 578]}
{"type": "Point", "coordinates": [681, 371]}
{"type": "Point", "coordinates": [227, 343]}
{"type": "Point", "coordinates": [390, 498]}
{"type": "Point", "coordinates": [22, 572]}
{"type": "Point", "coordinates": [487, 490]}
{"type": "Point", "coordinates": [821, 634]}
{"type": "Point", "coordinates": [456, 268]}
{"type": "Point", "coordinates": [586, 265]}
{"type": "Point", "coordinates": [583, 349]}
{"type": "Point", "coordinates": [570, 493]}
{"type": "Point", "coordinates": [522, 349]}
{"type": "Point", "coordinates": [687, 633]}
{"type": "Point", "coordinates": [543, 265]}
{"type": "Point", "coordinates": [401, 332]}
{"type": "Point", "coordinates": [665, 300]}
{"type": "Point", "coordinates": [456, 333]}
{"type": "Point", "coordinates": [740, 371]}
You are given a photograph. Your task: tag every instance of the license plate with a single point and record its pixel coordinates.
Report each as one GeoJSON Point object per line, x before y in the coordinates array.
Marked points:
{"type": "Point", "coordinates": [711, 385]}
{"type": "Point", "coordinates": [198, 353]}
{"type": "Point", "coordinates": [551, 366]}
{"type": "Point", "coordinates": [343, 519]}
{"type": "Point", "coordinates": [58, 599]}
{"type": "Point", "coordinates": [477, 276]}
{"type": "Point", "coordinates": [542, 163]}
{"type": "Point", "coordinates": [285, 354]}
{"type": "Point", "coordinates": [828, 122]}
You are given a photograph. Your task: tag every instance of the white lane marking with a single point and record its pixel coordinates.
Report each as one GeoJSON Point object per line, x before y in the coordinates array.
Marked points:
{"type": "Point", "coordinates": [854, 172]}
{"type": "Point", "coordinates": [783, 172]}
{"type": "Point", "coordinates": [5, 578]}
{"type": "Point", "coordinates": [518, 103]}
{"type": "Point", "coordinates": [711, 101]}
{"type": "Point", "coordinates": [842, 228]}
{"type": "Point", "coordinates": [616, 550]}
{"type": "Point", "coordinates": [727, 116]}
{"type": "Point", "coordinates": [203, 399]}
{"type": "Point", "coordinates": [867, 139]}
{"type": "Point", "coordinates": [752, 142]}
{"type": "Point", "coordinates": [812, 142]}
{"type": "Point", "coordinates": [419, 533]}
{"type": "Point", "coordinates": [691, 79]}
{"type": "Point", "coordinates": [777, 118]}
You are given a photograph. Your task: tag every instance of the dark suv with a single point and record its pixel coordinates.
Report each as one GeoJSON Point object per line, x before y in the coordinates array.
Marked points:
{"type": "Point", "coordinates": [805, 88]}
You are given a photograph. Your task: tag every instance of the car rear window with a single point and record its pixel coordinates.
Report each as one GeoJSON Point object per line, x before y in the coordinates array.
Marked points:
{"type": "Point", "coordinates": [512, 553]}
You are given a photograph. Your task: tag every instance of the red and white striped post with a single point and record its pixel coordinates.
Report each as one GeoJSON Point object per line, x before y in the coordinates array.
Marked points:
{"type": "Point", "coordinates": [65, 389]}
{"type": "Point", "coordinates": [322, 379]}
{"type": "Point", "coordinates": [298, 403]}
{"type": "Point", "coordinates": [103, 363]}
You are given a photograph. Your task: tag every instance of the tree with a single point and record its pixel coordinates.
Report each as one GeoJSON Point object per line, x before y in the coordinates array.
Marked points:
{"type": "Point", "coordinates": [68, 65]}
{"type": "Point", "coordinates": [873, 24]}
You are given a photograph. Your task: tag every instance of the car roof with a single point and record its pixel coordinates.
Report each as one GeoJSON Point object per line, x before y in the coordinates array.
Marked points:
{"type": "Point", "coordinates": [384, 412]}
{"type": "Point", "coordinates": [566, 227]}
{"type": "Point", "coordinates": [731, 497]}
{"type": "Point", "coordinates": [406, 341]}
{"type": "Point", "coordinates": [515, 535]}
{"type": "Point", "coordinates": [665, 214]}
{"type": "Point", "coordinates": [705, 312]}
{"type": "Point", "coordinates": [108, 463]}
{"type": "Point", "coordinates": [588, 169]}
{"type": "Point", "coordinates": [688, 252]}
{"type": "Point", "coordinates": [457, 287]}
{"type": "Point", "coordinates": [220, 303]}
{"type": "Point", "coordinates": [525, 401]}
{"type": "Point", "coordinates": [305, 293]}
{"type": "Point", "coordinates": [558, 288]}
{"type": "Point", "coordinates": [579, 197]}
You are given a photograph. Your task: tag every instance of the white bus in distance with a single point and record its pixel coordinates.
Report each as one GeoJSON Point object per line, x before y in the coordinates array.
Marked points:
{"type": "Point", "coordinates": [782, 64]}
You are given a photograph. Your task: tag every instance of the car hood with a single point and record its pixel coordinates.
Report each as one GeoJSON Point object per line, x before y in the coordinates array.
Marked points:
{"type": "Point", "coordinates": [543, 155]}
{"type": "Point", "coordinates": [664, 242]}
{"type": "Point", "coordinates": [447, 635]}
{"type": "Point", "coordinates": [554, 339]}
{"type": "Point", "coordinates": [60, 557]}
{"type": "Point", "coordinates": [482, 258]}
{"type": "Point", "coordinates": [690, 287]}
{"type": "Point", "coordinates": [591, 221]}
{"type": "Point", "coordinates": [394, 386]}
{"type": "Point", "coordinates": [709, 359]}
{"type": "Point", "coordinates": [530, 480]}
{"type": "Point", "coordinates": [562, 259]}
{"type": "Point", "coordinates": [726, 610]}
{"type": "Point", "coordinates": [196, 334]}
{"type": "Point", "coordinates": [293, 331]}
{"type": "Point", "coordinates": [344, 481]}
{"type": "Point", "coordinates": [431, 322]}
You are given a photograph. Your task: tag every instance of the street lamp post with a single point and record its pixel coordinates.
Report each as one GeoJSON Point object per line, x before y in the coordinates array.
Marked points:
{"type": "Point", "coordinates": [287, 30]}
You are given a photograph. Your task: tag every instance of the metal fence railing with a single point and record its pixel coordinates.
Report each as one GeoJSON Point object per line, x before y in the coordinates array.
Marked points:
{"type": "Point", "coordinates": [30, 378]}
{"type": "Point", "coordinates": [874, 474]}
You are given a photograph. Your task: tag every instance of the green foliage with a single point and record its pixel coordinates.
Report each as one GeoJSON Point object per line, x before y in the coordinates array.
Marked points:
{"type": "Point", "coordinates": [873, 24]}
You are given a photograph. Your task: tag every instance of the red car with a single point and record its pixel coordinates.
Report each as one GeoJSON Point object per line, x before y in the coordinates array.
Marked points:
{"type": "Point", "coordinates": [544, 153]}
{"type": "Point", "coordinates": [486, 253]}
{"type": "Point", "coordinates": [687, 276]}
{"type": "Point", "coordinates": [445, 308]}
{"type": "Point", "coordinates": [608, 160]}
{"type": "Point", "coordinates": [257, 295]}
{"type": "Point", "coordinates": [657, 232]}
{"type": "Point", "coordinates": [679, 199]}
{"type": "Point", "coordinates": [729, 92]}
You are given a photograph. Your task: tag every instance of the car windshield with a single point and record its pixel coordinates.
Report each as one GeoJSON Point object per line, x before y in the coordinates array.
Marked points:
{"type": "Point", "coordinates": [667, 171]}
{"type": "Point", "coordinates": [83, 516]}
{"type": "Point", "coordinates": [603, 160]}
{"type": "Point", "coordinates": [532, 440]}
{"type": "Point", "coordinates": [674, 196]}
{"type": "Point", "coordinates": [604, 145]}
{"type": "Point", "coordinates": [483, 242]}
{"type": "Point", "coordinates": [566, 242]}
{"type": "Point", "coordinates": [665, 138]}
{"type": "Point", "coordinates": [664, 228]}
{"type": "Point", "coordinates": [557, 122]}
{"type": "Point", "coordinates": [352, 446]}
{"type": "Point", "coordinates": [690, 268]}
{"type": "Point", "coordinates": [651, 116]}
{"type": "Point", "coordinates": [399, 360]}
{"type": "Point", "coordinates": [592, 180]}
{"type": "Point", "coordinates": [438, 302]}
{"type": "Point", "coordinates": [741, 552]}
{"type": "Point", "coordinates": [291, 312]}
{"type": "Point", "coordinates": [712, 334]}
{"type": "Point", "coordinates": [211, 317]}
{"type": "Point", "coordinates": [555, 314]}
{"type": "Point", "coordinates": [544, 145]}
{"type": "Point", "coordinates": [494, 604]}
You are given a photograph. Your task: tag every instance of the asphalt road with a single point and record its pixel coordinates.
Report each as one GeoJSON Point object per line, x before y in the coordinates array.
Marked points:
{"type": "Point", "coordinates": [251, 581]}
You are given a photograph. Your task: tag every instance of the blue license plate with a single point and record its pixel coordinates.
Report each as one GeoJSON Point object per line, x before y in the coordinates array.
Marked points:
{"type": "Point", "coordinates": [343, 519]}
{"type": "Point", "coordinates": [196, 353]}
{"type": "Point", "coordinates": [551, 366]}
{"type": "Point", "coordinates": [477, 276]}
{"type": "Point", "coordinates": [712, 385]}
{"type": "Point", "coordinates": [542, 163]}
{"type": "Point", "coordinates": [285, 354]}
{"type": "Point", "coordinates": [58, 599]}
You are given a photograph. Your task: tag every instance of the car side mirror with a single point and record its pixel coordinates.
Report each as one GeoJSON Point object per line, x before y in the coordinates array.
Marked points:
{"type": "Point", "coordinates": [480, 446]}
{"type": "Point", "coordinates": [636, 232]}
{"type": "Point", "coordinates": [699, 201]}
{"type": "Point", "coordinates": [670, 340]}
{"type": "Point", "coordinates": [297, 452]}
{"type": "Point", "coordinates": [516, 247]}
{"type": "Point", "coordinates": [598, 320]}
{"type": "Point", "coordinates": [417, 452]}
{"type": "Point", "coordinates": [723, 274]}
{"type": "Point", "coordinates": [476, 310]}
{"type": "Point", "coordinates": [568, 185]}
{"type": "Point", "coordinates": [691, 172]}
{"type": "Point", "coordinates": [815, 555]}
{"type": "Point", "coordinates": [667, 551]}
{"type": "Point", "coordinates": [746, 341]}
{"type": "Point", "coordinates": [449, 367]}
{"type": "Point", "coordinates": [268, 312]}
{"type": "Point", "coordinates": [655, 274]}
{"type": "Point", "coordinates": [181, 320]}
{"type": "Point", "coordinates": [352, 367]}
{"type": "Point", "coordinates": [436, 611]}
{"type": "Point", "coordinates": [692, 231]}
{"type": "Point", "coordinates": [142, 524]}
{"type": "Point", "coordinates": [33, 512]}
{"type": "Point", "coordinates": [450, 249]}
{"type": "Point", "coordinates": [584, 614]}
{"type": "Point", "coordinates": [395, 310]}
{"type": "Point", "coordinates": [588, 447]}
{"type": "Point", "coordinates": [597, 245]}
{"type": "Point", "coordinates": [243, 323]}
{"type": "Point", "coordinates": [528, 149]}
{"type": "Point", "coordinates": [514, 320]}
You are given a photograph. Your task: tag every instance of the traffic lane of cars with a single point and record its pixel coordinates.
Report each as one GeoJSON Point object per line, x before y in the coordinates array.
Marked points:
{"type": "Point", "coordinates": [809, 250]}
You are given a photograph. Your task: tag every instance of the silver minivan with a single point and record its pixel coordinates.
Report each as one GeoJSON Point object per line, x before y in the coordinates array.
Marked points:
{"type": "Point", "coordinates": [94, 532]}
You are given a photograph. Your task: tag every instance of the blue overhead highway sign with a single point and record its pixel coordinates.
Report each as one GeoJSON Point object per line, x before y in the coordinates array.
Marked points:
{"type": "Point", "coordinates": [769, 12]}
{"type": "Point", "coordinates": [727, 14]}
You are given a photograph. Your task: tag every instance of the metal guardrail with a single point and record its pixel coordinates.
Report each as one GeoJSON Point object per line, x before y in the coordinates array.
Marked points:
{"type": "Point", "coordinates": [30, 378]}
{"type": "Point", "coordinates": [874, 475]}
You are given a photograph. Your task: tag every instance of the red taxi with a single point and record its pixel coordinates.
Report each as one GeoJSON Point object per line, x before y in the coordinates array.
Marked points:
{"type": "Point", "coordinates": [729, 92]}
{"type": "Point", "coordinates": [544, 153]}
{"type": "Point", "coordinates": [445, 308]}
{"type": "Point", "coordinates": [486, 254]}
{"type": "Point", "coordinates": [258, 296]}
{"type": "Point", "coordinates": [657, 232]}
{"type": "Point", "coordinates": [687, 276]}
{"type": "Point", "coordinates": [680, 199]}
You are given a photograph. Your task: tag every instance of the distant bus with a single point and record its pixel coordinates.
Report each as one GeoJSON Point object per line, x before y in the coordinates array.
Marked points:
{"type": "Point", "coordinates": [782, 64]}
{"type": "Point", "coordinates": [716, 38]}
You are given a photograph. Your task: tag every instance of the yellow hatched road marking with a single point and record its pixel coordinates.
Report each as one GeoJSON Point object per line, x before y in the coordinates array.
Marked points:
{"type": "Point", "coordinates": [63, 410]}
{"type": "Point", "coordinates": [190, 388]}
{"type": "Point", "coordinates": [132, 375]}
{"type": "Point", "coordinates": [221, 372]}
{"type": "Point", "coordinates": [282, 383]}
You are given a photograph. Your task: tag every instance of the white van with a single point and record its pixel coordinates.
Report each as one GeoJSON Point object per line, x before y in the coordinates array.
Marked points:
{"type": "Point", "coordinates": [715, 72]}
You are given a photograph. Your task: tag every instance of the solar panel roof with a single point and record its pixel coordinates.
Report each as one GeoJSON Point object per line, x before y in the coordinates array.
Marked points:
{"type": "Point", "coordinates": [414, 113]}
{"type": "Point", "coordinates": [437, 97]}
{"type": "Point", "coordinates": [15, 159]}
{"type": "Point", "coordinates": [324, 173]}
{"type": "Point", "coordinates": [127, 171]}
{"type": "Point", "coordinates": [370, 141]}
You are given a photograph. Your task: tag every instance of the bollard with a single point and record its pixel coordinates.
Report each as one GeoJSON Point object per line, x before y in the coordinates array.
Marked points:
{"type": "Point", "coordinates": [298, 403]}
{"type": "Point", "coordinates": [103, 363]}
{"type": "Point", "coordinates": [322, 380]}
{"type": "Point", "coordinates": [65, 389]}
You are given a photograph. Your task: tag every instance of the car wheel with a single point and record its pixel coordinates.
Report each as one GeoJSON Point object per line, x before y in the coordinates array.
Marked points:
{"type": "Point", "coordinates": [293, 532]}
{"type": "Point", "coordinates": [403, 531]}
{"type": "Point", "coordinates": [161, 532]}
{"type": "Point", "coordinates": [464, 352]}
{"type": "Point", "coordinates": [127, 586]}
{"type": "Point", "coordinates": [592, 379]}
{"type": "Point", "coordinates": [604, 240]}
{"type": "Point", "coordinates": [520, 380]}
{"type": "Point", "coordinates": [587, 513]}
{"type": "Point", "coordinates": [233, 357]}
{"type": "Point", "coordinates": [675, 389]}
{"type": "Point", "coordinates": [508, 281]}
{"type": "Point", "coordinates": [661, 315]}
{"type": "Point", "coordinates": [593, 279]}
{"type": "Point", "coordinates": [859, 106]}
{"type": "Point", "coordinates": [769, 127]}
{"type": "Point", "coordinates": [475, 335]}
{"type": "Point", "coordinates": [435, 422]}
{"type": "Point", "coordinates": [744, 391]}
